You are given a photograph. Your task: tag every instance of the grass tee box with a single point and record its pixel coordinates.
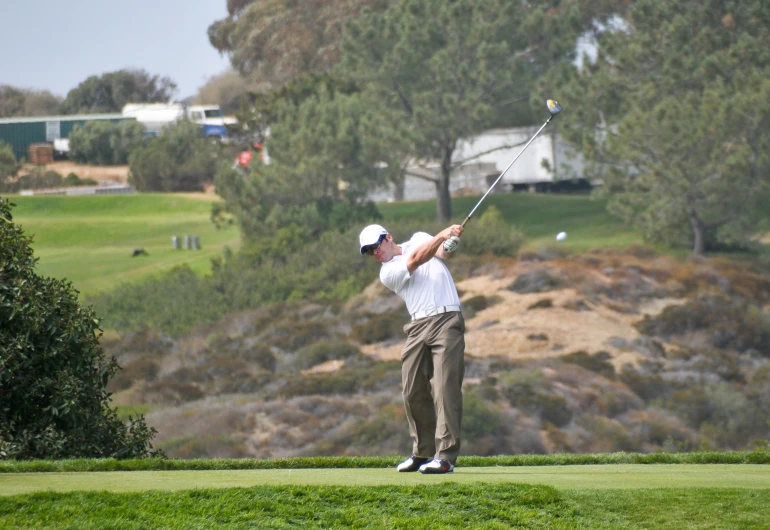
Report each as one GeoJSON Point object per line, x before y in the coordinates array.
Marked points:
{"type": "Point", "coordinates": [90, 240]}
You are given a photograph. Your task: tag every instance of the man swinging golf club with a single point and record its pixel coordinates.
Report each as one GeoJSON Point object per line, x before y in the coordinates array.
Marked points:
{"type": "Point", "coordinates": [435, 344]}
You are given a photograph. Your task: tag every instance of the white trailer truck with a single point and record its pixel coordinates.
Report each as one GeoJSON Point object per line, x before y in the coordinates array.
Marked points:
{"type": "Point", "coordinates": [155, 116]}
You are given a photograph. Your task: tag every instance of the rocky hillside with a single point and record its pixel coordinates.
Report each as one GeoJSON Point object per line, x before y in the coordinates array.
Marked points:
{"type": "Point", "coordinates": [602, 351]}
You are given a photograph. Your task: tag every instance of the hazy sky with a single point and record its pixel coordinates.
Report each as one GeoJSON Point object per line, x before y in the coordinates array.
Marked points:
{"type": "Point", "coordinates": [54, 45]}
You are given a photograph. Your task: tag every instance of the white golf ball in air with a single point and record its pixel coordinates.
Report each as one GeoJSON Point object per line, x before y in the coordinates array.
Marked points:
{"type": "Point", "coordinates": [561, 236]}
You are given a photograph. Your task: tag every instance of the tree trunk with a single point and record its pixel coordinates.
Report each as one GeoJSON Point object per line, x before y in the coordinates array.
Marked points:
{"type": "Point", "coordinates": [443, 197]}
{"type": "Point", "coordinates": [698, 229]}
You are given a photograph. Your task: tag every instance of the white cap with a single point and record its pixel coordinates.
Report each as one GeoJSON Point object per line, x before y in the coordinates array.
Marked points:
{"type": "Point", "coordinates": [370, 235]}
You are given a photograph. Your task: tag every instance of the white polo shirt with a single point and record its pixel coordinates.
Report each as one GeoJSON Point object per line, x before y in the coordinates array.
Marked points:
{"type": "Point", "coordinates": [430, 286]}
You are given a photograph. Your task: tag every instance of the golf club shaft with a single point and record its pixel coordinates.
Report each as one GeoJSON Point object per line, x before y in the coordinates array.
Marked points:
{"type": "Point", "coordinates": [506, 169]}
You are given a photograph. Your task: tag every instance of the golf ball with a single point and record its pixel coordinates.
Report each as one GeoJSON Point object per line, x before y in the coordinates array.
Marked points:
{"type": "Point", "coordinates": [561, 236]}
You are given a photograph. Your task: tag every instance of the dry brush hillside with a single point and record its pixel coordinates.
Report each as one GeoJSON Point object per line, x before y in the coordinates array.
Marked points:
{"type": "Point", "coordinates": [602, 351]}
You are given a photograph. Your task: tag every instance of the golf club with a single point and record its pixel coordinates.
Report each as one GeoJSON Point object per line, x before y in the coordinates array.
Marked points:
{"type": "Point", "coordinates": [451, 244]}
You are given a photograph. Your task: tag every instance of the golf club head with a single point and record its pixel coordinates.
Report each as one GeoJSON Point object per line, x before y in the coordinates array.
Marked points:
{"type": "Point", "coordinates": [553, 107]}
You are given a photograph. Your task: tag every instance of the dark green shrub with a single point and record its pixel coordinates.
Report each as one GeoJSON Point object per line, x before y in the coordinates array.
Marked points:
{"type": "Point", "coordinates": [648, 386]}
{"type": "Point", "coordinates": [729, 323]}
{"type": "Point", "coordinates": [341, 382]}
{"type": "Point", "coordinates": [492, 235]}
{"type": "Point", "coordinates": [479, 419]}
{"type": "Point", "coordinates": [554, 409]}
{"type": "Point", "coordinates": [9, 166]}
{"type": "Point", "coordinates": [133, 372]}
{"type": "Point", "coordinates": [481, 302]}
{"type": "Point", "coordinates": [380, 327]}
{"type": "Point", "coordinates": [537, 281]}
{"type": "Point", "coordinates": [545, 303]}
{"type": "Point", "coordinates": [291, 335]}
{"type": "Point", "coordinates": [325, 351]}
{"type": "Point", "coordinates": [105, 143]}
{"type": "Point", "coordinates": [597, 363]}
{"type": "Point", "coordinates": [53, 372]}
{"type": "Point", "coordinates": [181, 159]}
{"type": "Point", "coordinates": [38, 178]}
{"type": "Point", "coordinates": [172, 392]}
{"type": "Point", "coordinates": [73, 180]}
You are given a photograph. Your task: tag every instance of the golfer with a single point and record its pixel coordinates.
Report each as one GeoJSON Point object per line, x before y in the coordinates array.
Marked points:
{"type": "Point", "coordinates": [435, 344]}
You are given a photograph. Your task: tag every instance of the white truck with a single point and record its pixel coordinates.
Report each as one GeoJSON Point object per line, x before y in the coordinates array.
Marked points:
{"type": "Point", "coordinates": [155, 116]}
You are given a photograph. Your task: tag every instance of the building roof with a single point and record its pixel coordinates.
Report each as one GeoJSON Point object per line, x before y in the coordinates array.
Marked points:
{"type": "Point", "coordinates": [72, 117]}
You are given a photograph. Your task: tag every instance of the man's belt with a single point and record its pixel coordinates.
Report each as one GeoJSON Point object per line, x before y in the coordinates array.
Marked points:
{"type": "Point", "coordinates": [435, 311]}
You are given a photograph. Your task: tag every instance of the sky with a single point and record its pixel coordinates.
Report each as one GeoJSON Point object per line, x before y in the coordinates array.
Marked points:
{"type": "Point", "coordinates": [54, 45]}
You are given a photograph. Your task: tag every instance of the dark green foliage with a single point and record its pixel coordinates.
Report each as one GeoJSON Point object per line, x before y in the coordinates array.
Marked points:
{"type": "Point", "coordinates": [731, 323]}
{"type": "Point", "coordinates": [481, 302]}
{"type": "Point", "coordinates": [380, 327]}
{"type": "Point", "coordinates": [53, 372]}
{"type": "Point", "coordinates": [479, 419]}
{"type": "Point", "coordinates": [323, 351]}
{"type": "Point", "coordinates": [134, 372]}
{"type": "Point", "coordinates": [25, 102]}
{"type": "Point", "coordinates": [36, 178]}
{"type": "Point", "coordinates": [181, 159]}
{"type": "Point", "coordinates": [538, 281]}
{"type": "Point", "coordinates": [490, 234]}
{"type": "Point", "coordinates": [545, 303]}
{"type": "Point", "coordinates": [257, 354]}
{"type": "Point", "coordinates": [73, 180]}
{"type": "Point", "coordinates": [9, 166]}
{"type": "Point", "coordinates": [109, 92]}
{"type": "Point", "coordinates": [597, 362]}
{"type": "Point", "coordinates": [647, 384]}
{"type": "Point", "coordinates": [105, 143]}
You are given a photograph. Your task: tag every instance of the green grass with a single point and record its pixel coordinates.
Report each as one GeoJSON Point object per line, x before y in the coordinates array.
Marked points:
{"type": "Point", "coordinates": [563, 491]}
{"type": "Point", "coordinates": [89, 240]}
{"type": "Point", "coordinates": [435, 503]}
{"type": "Point", "coordinates": [371, 462]}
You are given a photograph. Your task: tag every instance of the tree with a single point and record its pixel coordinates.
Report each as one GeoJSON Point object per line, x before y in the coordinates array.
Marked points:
{"type": "Point", "coordinates": [53, 373]}
{"type": "Point", "coordinates": [445, 70]}
{"type": "Point", "coordinates": [112, 90]}
{"type": "Point", "coordinates": [229, 90]}
{"type": "Point", "coordinates": [9, 166]}
{"type": "Point", "coordinates": [674, 116]}
{"type": "Point", "coordinates": [21, 102]}
{"type": "Point", "coordinates": [275, 41]}
{"type": "Point", "coordinates": [326, 156]}
{"type": "Point", "coordinates": [180, 159]}
{"type": "Point", "coordinates": [101, 142]}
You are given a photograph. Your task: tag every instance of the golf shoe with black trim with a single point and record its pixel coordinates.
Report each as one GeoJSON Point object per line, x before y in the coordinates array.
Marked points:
{"type": "Point", "coordinates": [437, 466]}
{"type": "Point", "coordinates": [412, 463]}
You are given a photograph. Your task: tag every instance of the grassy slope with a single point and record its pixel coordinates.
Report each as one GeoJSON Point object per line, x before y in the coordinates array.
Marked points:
{"type": "Point", "coordinates": [89, 240]}
{"type": "Point", "coordinates": [540, 217]}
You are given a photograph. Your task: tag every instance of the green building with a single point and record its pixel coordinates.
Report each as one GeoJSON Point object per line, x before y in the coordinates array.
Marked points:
{"type": "Point", "coordinates": [20, 133]}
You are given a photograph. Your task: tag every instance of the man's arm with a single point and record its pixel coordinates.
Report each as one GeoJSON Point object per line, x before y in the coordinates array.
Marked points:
{"type": "Point", "coordinates": [425, 252]}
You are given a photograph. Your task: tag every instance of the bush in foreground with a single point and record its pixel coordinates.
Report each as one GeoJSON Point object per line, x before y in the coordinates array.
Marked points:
{"type": "Point", "coordinates": [53, 372]}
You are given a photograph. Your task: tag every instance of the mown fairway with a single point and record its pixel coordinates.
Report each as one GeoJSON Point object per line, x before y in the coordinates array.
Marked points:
{"type": "Point", "coordinates": [89, 240]}
{"type": "Point", "coordinates": [539, 216]}
{"type": "Point", "coordinates": [593, 496]}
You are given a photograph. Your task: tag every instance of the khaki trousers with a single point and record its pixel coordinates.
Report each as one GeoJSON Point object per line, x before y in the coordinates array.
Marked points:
{"type": "Point", "coordinates": [434, 351]}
